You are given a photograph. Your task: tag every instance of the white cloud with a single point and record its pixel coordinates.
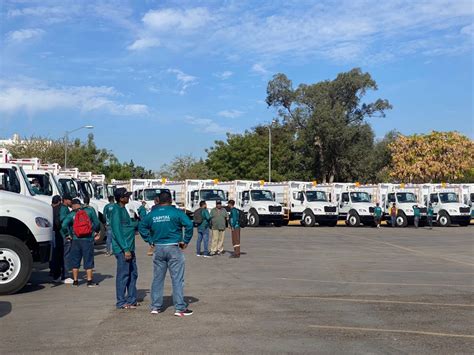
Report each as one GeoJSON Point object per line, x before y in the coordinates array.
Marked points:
{"type": "Point", "coordinates": [25, 34]}
{"type": "Point", "coordinates": [259, 69]}
{"type": "Point", "coordinates": [33, 97]}
{"type": "Point", "coordinates": [143, 43]}
{"type": "Point", "coordinates": [176, 19]}
{"type": "Point", "coordinates": [207, 125]}
{"type": "Point", "coordinates": [184, 80]}
{"type": "Point", "coordinates": [230, 113]}
{"type": "Point", "coordinates": [224, 75]}
{"type": "Point", "coordinates": [468, 30]}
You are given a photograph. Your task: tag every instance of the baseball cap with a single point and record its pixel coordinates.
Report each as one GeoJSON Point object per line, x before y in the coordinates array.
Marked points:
{"type": "Point", "coordinates": [121, 192]}
{"type": "Point", "coordinates": [67, 197]}
{"type": "Point", "coordinates": [76, 201]}
{"type": "Point", "coordinates": [56, 199]}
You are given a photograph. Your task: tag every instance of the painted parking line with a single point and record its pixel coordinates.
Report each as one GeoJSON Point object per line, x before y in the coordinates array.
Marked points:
{"type": "Point", "coordinates": [413, 251]}
{"type": "Point", "coordinates": [400, 331]}
{"type": "Point", "coordinates": [358, 300]}
{"type": "Point", "coordinates": [374, 283]}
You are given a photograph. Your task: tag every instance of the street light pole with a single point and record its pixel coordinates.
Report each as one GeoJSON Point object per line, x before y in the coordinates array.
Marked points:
{"type": "Point", "coordinates": [66, 141]}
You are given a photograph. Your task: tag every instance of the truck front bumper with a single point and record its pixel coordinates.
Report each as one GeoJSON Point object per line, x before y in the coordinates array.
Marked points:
{"type": "Point", "coordinates": [462, 219]}
{"type": "Point", "coordinates": [42, 253]}
{"type": "Point", "coordinates": [267, 218]}
{"type": "Point", "coordinates": [367, 220]}
{"type": "Point", "coordinates": [326, 218]}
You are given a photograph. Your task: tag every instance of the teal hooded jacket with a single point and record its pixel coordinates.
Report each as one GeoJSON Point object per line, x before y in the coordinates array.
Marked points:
{"type": "Point", "coordinates": [68, 222]}
{"type": "Point", "coordinates": [164, 226]}
{"type": "Point", "coordinates": [123, 230]}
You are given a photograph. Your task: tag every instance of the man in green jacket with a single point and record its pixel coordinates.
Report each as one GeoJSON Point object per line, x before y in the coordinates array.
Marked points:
{"type": "Point", "coordinates": [203, 230]}
{"type": "Point", "coordinates": [107, 212]}
{"type": "Point", "coordinates": [235, 228]}
{"type": "Point", "coordinates": [142, 210]}
{"type": "Point", "coordinates": [82, 248]}
{"type": "Point", "coordinates": [219, 221]}
{"type": "Point", "coordinates": [163, 227]}
{"type": "Point", "coordinates": [123, 246]}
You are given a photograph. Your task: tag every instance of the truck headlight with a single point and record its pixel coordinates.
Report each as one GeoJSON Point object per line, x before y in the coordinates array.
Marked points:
{"type": "Point", "coordinates": [452, 210]}
{"type": "Point", "coordinates": [42, 222]}
{"type": "Point", "coordinates": [261, 209]}
{"type": "Point", "coordinates": [318, 210]}
{"type": "Point", "coordinates": [362, 210]}
{"type": "Point", "coordinates": [409, 211]}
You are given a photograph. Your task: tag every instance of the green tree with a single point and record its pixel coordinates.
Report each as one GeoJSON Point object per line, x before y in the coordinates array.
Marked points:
{"type": "Point", "coordinates": [186, 167]}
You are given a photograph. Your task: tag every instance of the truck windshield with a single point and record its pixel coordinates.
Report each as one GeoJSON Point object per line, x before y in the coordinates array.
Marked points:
{"type": "Point", "coordinates": [9, 181]}
{"type": "Point", "coordinates": [448, 197]}
{"type": "Point", "coordinates": [68, 187]}
{"type": "Point", "coordinates": [45, 187]}
{"type": "Point", "coordinates": [27, 182]}
{"type": "Point", "coordinates": [212, 195]}
{"type": "Point", "coordinates": [86, 188]}
{"type": "Point", "coordinates": [111, 190]}
{"type": "Point", "coordinates": [403, 197]}
{"type": "Point", "coordinates": [149, 194]}
{"type": "Point", "coordinates": [316, 196]}
{"type": "Point", "coordinates": [360, 197]}
{"type": "Point", "coordinates": [261, 195]}
{"type": "Point", "coordinates": [99, 191]}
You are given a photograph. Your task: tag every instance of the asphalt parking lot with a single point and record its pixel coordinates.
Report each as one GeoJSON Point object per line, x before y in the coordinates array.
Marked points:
{"type": "Point", "coordinates": [296, 290]}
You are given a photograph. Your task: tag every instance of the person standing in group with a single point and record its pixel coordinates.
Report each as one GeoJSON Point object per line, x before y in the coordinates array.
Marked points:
{"type": "Point", "coordinates": [123, 246]}
{"type": "Point", "coordinates": [142, 210]}
{"type": "Point", "coordinates": [218, 222]}
{"type": "Point", "coordinates": [57, 257]}
{"type": "Point", "coordinates": [393, 214]}
{"type": "Point", "coordinates": [164, 226]}
{"type": "Point", "coordinates": [203, 229]}
{"type": "Point", "coordinates": [108, 208]}
{"type": "Point", "coordinates": [429, 215]}
{"type": "Point", "coordinates": [81, 226]}
{"type": "Point", "coordinates": [417, 215]}
{"type": "Point", "coordinates": [234, 222]}
{"type": "Point", "coordinates": [377, 215]}
{"type": "Point", "coordinates": [64, 210]}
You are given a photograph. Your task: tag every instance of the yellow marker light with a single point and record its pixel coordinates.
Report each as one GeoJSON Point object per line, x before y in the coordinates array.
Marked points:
{"type": "Point", "coordinates": [357, 184]}
{"type": "Point", "coordinates": [216, 181]}
{"type": "Point", "coordinates": [262, 182]}
{"type": "Point", "coordinates": [402, 186]}
{"type": "Point", "coordinates": [315, 182]}
{"type": "Point", "coordinates": [443, 185]}
{"type": "Point", "coordinates": [163, 180]}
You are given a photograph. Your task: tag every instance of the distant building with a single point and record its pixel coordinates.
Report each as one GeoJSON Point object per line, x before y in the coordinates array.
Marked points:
{"type": "Point", "coordinates": [15, 139]}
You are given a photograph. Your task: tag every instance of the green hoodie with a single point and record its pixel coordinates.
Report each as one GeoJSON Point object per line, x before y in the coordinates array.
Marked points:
{"type": "Point", "coordinates": [67, 229]}
{"type": "Point", "coordinates": [108, 208]}
{"type": "Point", "coordinates": [206, 220]}
{"type": "Point", "coordinates": [123, 230]}
{"type": "Point", "coordinates": [164, 226]}
{"type": "Point", "coordinates": [234, 218]}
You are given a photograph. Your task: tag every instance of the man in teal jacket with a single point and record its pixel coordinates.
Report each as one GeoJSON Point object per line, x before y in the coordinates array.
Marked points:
{"type": "Point", "coordinates": [203, 230]}
{"type": "Point", "coordinates": [123, 246]}
{"type": "Point", "coordinates": [163, 227]}
{"type": "Point", "coordinates": [235, 228]}
{"type": "Point", "coordinates": [108, 208]}
{"type": "Point", "coordinates": [81, 248]}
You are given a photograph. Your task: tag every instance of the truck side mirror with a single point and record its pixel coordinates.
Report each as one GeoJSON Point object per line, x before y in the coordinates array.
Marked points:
{"type": "Point", "coordinates": [227, 196]}
{"type": "Point", "coordinates": [274, 196]}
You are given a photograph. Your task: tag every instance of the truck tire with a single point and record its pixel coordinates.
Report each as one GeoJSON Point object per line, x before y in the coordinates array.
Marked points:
{"type": "Point", "coordinates": [444, 220]}
{"type": "Point", "coordinates": [16, 264]}
{"type": "Point", "coordinates": [402, 220]}
{"type": "Point", "coordinates": [353, 220]}
{"type": "Point", "coordinates": [309, 220]}
{"type": "Point", "coordinates": [254, 219]}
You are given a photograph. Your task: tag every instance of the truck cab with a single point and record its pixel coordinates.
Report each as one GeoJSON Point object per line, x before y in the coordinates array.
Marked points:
{"type": "Point", "coordinates": [314, 204]}
{"type": "Point", "coordinates": [405, 198]}
{"type": "Point", "coordinates": [355, 204]}
{"type": "Point", "coordinates": [260, 206]}
{"type": "Point", "coordinates": [25, 237]}
{"type": "Point", "coordinates": [447, 206]}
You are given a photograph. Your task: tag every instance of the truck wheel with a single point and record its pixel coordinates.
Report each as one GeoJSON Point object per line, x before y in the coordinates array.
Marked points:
{"type": "Point", "coordinates": [254, 219]}
{"type": "Point", "coordinates": [444, 220]}
{"type": "Point", "coordinates": [16, 264]}
{"type": "Point", "coordinates": [402, 220]}
{"type": "Point", "coordinates": [309, 219]}
{"type": "Point", "coordinates": [353, 220]}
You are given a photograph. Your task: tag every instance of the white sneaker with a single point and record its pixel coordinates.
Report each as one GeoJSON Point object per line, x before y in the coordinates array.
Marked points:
{"type": "Point", "coordinates": [155, 311]}
{"type": "Point", "coordinates": [206, 256]}
{"type": "Point", "coordinates": [68, 281]}
{"type": "Point", "coordinates": [198, 255]}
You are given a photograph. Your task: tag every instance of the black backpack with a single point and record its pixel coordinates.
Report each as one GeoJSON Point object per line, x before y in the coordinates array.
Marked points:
{"type": "Point", "coordinates": [243, 221]}
{"type": "Point", "coordinates": [197, 219]}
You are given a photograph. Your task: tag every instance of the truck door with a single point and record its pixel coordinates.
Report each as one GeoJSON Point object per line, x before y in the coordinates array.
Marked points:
{"type": "Point", "coordinates": [246, 200]}
{"type": "Point", "coordinates": [9, 181]}
{"type": "Point", "coordinates": [344, 205]}
{"type": "Point", "coordinates": [390, 201]}
{"type": "Point", "coordinates": [434, 200]}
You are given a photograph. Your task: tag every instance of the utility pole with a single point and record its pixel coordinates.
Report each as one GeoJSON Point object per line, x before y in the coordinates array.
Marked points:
{"type": "Point", "coordinates": [66, 141]}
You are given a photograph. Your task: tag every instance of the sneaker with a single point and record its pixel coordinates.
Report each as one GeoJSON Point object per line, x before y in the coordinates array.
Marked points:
{"type": "Point", "coordinates": [75, 283]}
{"type": "Point", "coordinates": [68, 281]}
{"type": "Point", "coordinates": [206, 256]}
{"type": "Point", "coordinates": [156, 311]}
{"type": "Point", "coordinates": [92, 284]}
{"type": "Point", "coordinates": [198, 255]}
{"type": "Point", "coordinates": [185, 313]}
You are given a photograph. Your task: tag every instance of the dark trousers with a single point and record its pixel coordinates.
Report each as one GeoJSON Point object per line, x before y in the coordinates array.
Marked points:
{"type": "Point", "coordinates": [236, 241]}
{"type": "Point", "coordinates": [126, 280]}
{"type": "Point", "coordinates": [57, 257]}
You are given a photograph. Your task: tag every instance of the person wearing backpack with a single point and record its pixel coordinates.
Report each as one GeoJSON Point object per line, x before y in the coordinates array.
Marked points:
{"type": "Point", "coordinates": [82, 227]}
{"type": "Point", "coordinates": [123, 246]}
{"type": "Point", "coordinates": [202, 220]}
{"type": "Point", "coordinates": [234, 221]}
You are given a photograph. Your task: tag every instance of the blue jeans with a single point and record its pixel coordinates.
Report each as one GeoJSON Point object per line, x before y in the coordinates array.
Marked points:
{"type": "Point", "coordinates": [108, 241]}
{"type": "Point", "coordinates": [126, 280]}
{"type": "Point", "coordinates": [67, 256]}
{"type": "Point", "coordinates": [168, 257]}
{"type": "Point", "coordinates": [394, 221]}
{"type": "Point", "coordinates": [82, 249]}
{"type": "Point", "coordinates": [203, 237]}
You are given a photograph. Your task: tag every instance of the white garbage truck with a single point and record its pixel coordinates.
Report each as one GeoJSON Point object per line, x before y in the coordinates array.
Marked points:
{"type": "Point", "coordinates": [190, 192]}
{"type": "Point", "coordinates": [307, 202]}
{"type": "Point", "coordinates": [468, 196]}
{"type": "Point", "coordinates": [447, 205]}
{"type": "Point", "coordinates": [405, 197]}
{"type": "Point", "coordinates": [26, 232]}
{"type": "Point", "coordinates": [147, 189]}
{"type": "Point", "coordinates": [257, 200]}
{"type": "Point", "coordinates": [355, 203]}
{"type": "Point", "coordinates": [132, 206]}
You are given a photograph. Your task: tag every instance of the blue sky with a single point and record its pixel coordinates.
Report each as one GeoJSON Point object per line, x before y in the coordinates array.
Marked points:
{"type": "Point", "coordinates": [163, 78]}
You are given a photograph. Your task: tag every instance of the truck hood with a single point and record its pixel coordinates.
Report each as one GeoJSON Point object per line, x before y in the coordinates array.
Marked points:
{"type": "Point", "coordinates": [21, 201]}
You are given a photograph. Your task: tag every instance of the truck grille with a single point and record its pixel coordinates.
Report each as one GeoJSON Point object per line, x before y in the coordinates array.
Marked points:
{"type": "Point", "coordinates": [371, 209]}
{"type": "Point", "coordinates": [274, 208]}
{"type": "Point", "coordinates": [330, 208]}
{"type": "Point", "coordinates": [464, 209]}
{"type": "Point", "coordinates": [423, 210]}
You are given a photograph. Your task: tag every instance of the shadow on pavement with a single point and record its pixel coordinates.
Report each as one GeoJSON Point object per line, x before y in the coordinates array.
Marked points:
{"type": "Point", "coordinates": [167, 300]}
{"type": "Point", "coordinates": [5, 308]}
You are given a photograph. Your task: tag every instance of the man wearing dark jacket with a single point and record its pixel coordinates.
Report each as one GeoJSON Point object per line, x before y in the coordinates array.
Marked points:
{"type": "Point", "coordinates": [163, 227]}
